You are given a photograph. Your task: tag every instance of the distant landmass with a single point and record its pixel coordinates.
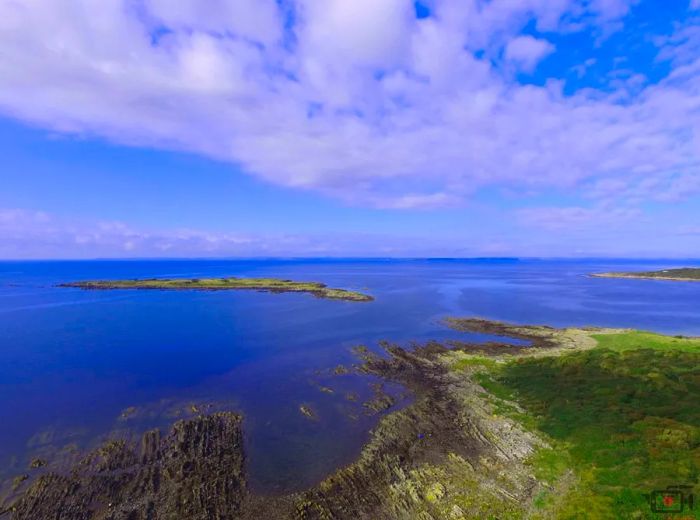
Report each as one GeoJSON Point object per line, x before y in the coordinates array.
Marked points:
{"type": "Point", "coordinates": [684, 274]}
{"type": "Point", "coordinates": [276, 285]}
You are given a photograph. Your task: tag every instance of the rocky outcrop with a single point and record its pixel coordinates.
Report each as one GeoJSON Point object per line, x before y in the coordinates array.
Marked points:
{"type": "Point", "coordinates": [447, 442]}
{"type": "Point", "coordinates": [446, 455]}
{"type": "Point", "coordinates": [196, 472]}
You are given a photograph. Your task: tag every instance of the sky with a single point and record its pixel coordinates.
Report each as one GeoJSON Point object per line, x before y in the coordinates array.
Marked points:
{"type": "Point", "coordinates": [439, 128]}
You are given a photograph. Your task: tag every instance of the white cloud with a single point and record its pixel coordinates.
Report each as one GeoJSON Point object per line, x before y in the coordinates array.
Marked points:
{"type": "Point", "coordinates": [256, 20]}
{"type": "Point", "coordinates": [356, 100]}
{"type": "Point", "coordinates": [611, 9]}
{"type": "Point", "coordinates": [26, 234]}
{"type": "Point", "coordinates": [527, 52]}
{"type": "Point", "coordinates": [362, 33]}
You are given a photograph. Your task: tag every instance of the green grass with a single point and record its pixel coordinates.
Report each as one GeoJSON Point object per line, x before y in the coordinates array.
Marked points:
{"type": "Point", "coordinates": [474, 361]}
{"type": "Point", "coordinates": [635, 340]}
{"type": "Point", "coordinates": [692, 273]}
{"type": "Point", "coordinates": [265, 284]}
{"type": "Point", "coordinates": [683, 273]}
{"type": "Point", "coordinates": [625, 416]}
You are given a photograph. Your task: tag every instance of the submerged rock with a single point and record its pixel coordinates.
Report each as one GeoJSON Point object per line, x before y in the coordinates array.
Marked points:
{"type": "Point", "coordinates": [18, 481]}
{"type": "Point", "coordinates": [307, 411]}
{"type": "Point", "coordinates": [37, 463]}
{"type": "Point", "coordinates": [380, 401]}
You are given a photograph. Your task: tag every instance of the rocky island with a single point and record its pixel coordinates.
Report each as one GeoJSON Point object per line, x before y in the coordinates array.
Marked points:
{"type": "Point", "coordinates": [579, 423]}
{"type": "Point", "coordinates": [684, 274]}
{"type": "Point", "coordinates": [275, 285]}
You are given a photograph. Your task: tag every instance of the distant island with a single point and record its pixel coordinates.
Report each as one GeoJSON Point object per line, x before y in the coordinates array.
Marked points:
{"type": "Point", "coordinates": [276, 285]}
{"type": "Point", "coordinates": [685, 274]}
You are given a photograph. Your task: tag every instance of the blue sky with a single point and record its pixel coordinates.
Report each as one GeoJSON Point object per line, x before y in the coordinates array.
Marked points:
{"type": "Point", "coordinates": [367, 128]}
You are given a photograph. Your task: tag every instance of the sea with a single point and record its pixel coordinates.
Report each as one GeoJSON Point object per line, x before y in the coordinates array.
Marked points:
{"type": "Point", "coordinates": [78, 367]}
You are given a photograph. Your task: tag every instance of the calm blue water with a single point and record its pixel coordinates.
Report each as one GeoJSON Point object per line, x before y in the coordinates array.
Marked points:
{"type": "Point", "coordinates": [71, 361]}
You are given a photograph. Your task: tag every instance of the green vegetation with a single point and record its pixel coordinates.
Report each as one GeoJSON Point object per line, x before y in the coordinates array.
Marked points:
{"type": "Point", "coordinates": [319, 290]}
{"type": "Point", "coordinates": [689, 274]}
{"type": "Point", "coordinates": [634, 340]}
{"type": "Point", "coordinates": [624, 416]}
{"type": "Point", "coordinates": [466, 362]}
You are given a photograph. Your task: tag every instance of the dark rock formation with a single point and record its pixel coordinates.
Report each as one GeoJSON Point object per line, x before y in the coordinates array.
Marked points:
{"type": "Point", "coordinates": [196, 472]}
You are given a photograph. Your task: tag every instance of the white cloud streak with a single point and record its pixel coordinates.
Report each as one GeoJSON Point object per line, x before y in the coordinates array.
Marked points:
{"type": "Point", "coordinates": [27, 234]}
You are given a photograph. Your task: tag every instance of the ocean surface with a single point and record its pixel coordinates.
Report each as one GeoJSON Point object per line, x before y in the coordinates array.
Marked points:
{"type": "Point", "coordinates": [77, 366]}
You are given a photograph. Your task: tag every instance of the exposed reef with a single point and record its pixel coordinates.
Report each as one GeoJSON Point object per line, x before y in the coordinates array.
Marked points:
{"type": "Point", "coordinates": [274, 285]}
{"type": "Point", "coordinates": [684, 274]}
{"type": "Point", "coordinates": [196, 472]}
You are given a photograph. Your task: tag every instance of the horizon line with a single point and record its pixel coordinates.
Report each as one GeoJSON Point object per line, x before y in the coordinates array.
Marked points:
{"type": "Point", "coordinates": [341, 258]}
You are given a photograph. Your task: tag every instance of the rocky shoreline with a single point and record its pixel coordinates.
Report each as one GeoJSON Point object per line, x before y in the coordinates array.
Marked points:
{"type": "Point", "coordinates": [447, 442]}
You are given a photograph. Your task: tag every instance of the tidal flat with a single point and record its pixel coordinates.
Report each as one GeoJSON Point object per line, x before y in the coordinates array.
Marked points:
{"type": "Point", "coordinates": [274, 285]}
{"type": "Point", "coordinates": [574, 423]}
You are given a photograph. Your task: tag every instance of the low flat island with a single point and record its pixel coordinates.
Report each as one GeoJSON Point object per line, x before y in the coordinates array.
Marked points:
{"type": "Point", "coordinates": [684, 274]}
{"type": "Point", "coordinates": [276, 285]}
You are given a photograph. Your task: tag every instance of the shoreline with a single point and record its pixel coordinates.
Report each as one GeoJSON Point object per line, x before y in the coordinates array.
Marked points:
{"type": "Point", "coordinates": [457, 451]}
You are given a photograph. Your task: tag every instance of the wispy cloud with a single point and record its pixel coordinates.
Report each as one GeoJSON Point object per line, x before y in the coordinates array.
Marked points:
{"type": "Point", "coordinates": [358, 100]}
{"type": "Point", "coordinates": [544, 231]}
{"type": "Point", "coordinates": [26, 234]}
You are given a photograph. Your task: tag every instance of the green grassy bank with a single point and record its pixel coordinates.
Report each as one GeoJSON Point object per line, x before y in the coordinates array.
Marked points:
{"type": "Point", "coordinates": [623, 419]}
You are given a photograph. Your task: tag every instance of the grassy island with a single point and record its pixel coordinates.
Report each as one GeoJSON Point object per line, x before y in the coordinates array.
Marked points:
{"type": "Point", "coordinates": [684, 274]}
{"type": "Point", "coordinates": [581, 423]}
{"type": "Point", "coordinates": [275, 285]}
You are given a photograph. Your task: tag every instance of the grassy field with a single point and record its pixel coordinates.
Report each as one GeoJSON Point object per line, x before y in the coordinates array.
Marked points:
{"type": "Point", "coordinates": [232, 283]}
{"type": "Point", "coordinates": [624, 416]}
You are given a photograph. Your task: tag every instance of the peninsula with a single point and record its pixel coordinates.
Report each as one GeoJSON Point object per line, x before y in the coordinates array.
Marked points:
{"type": "Point", "coordinates": [581, 423]}
{"type": "Point", "coordinates": [685, 274]}
{"type": "Point", "coordinates": [275, 285]}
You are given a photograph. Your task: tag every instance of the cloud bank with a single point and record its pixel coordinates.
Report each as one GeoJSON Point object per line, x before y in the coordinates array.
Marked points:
{"type": "Point", "coordinates": [360, 100]}
{"type": "Point", "coordinates": [26, 234]}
